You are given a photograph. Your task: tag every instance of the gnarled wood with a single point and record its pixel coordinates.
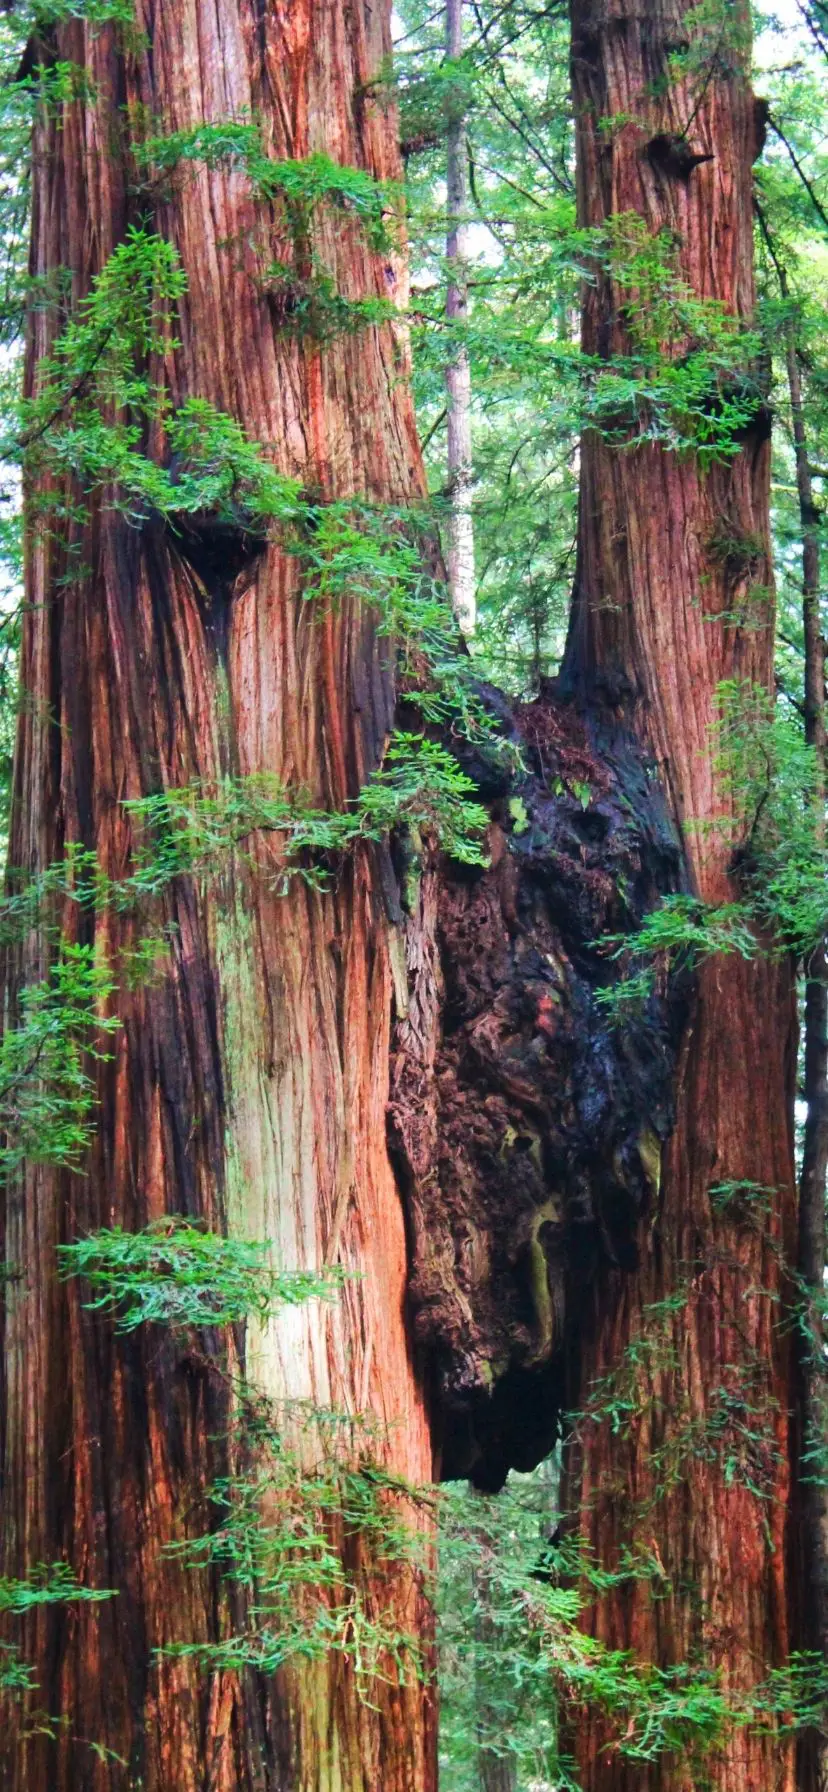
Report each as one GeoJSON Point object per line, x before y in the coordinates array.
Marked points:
{"type": "Point", "coordinates": [528, 1125]}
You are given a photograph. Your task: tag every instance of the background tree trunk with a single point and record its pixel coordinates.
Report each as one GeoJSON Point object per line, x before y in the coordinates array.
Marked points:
{"type": "Point", "coordinates": [812, 1491]}
{"type": "Point", "coordinates": [249, 1080]}
{"type": "Point", "coordinates": [460, 530]}
{"type": "Point", "coordinates": [698, 1480]}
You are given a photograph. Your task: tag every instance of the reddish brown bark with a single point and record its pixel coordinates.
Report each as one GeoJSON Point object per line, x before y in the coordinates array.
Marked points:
{"type": "Point", "coordinates": [248, 1082]}
{"type": "Point", "coordinates": [646, 636]}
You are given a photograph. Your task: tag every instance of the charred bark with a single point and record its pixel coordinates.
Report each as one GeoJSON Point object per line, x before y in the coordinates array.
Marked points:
{"type": "Point", "coordinates": [527, 1124]}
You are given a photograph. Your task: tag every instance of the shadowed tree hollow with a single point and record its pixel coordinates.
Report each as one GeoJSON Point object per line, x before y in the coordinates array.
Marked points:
{"type": "Point", "coordinates": [402, 1068]}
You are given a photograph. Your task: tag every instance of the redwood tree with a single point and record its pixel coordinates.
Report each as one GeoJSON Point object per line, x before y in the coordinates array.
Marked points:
{"type": "Point", "coordinates": [673, 597]}
{"type": "Point", "coordinates": [247, 1084]}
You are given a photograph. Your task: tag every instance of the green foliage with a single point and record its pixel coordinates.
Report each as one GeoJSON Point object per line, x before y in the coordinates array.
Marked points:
{"type": "Point", "coordinates": [517, 1670]}
{"type": "Point", "coordinates": [302, 186]}
{"type": "Point", "coordinates": [290, 1534]}
{"type": "Point", "coordinates": [380, 555]}
{"type": "Point", "coordinates": [682, 930]}
{"type": "Point", "coordinates": [430, 100]}
{"type": "Point", "coordinates": [742, 1199]}
{"type": "Point", "coordinates": [511, 88]}
{"type": "Point", "coordinates": [46, 1091]}
{"type": "Point", "coordinates": [617, 1399]}
{"type": "Point", "coordinates": [629, 996]}
{"type": "Point", "coordinates": [178, 1273]}
{"type": "Point", "coordinates": [219, 470]}
{"type": "Point", "coordinates": [89, 418]}
{"type": "Point", "coordinates": [52, 1585]}
{"type": "Point", "coordinates": [770, 776]}
{"type": "Point", "coordinates": [45, 13]}
{"type": "Point", "coordinates": [286, 1523]}
{"type": "Point", "coordinates": [190, 830]}
{"type": "Point", "coordinates": [421, 785]}
{"type": "Point", "coordinates": [498, 1690]}
{"type": "Point", "coordinates": [684, 373]}
{"type": "Point", "coordinates": [96, 397]}
{"type": "Point", "coordinates": [305, 299]}
{"type": "Point", "coordinates": [313, 307]}
{"type": "Point", "coordinates": [126, 317]}
{"type": "Point", "coordinates": [686, 380]}
{"type": "Point", "coordinates": [35, 902]}
{"type": "Point", "coordinates": [689, 930]}
{"type": "Point", "coordinates": [736, 1432]}
{"type": "Point", "coordinates": [718, 44]}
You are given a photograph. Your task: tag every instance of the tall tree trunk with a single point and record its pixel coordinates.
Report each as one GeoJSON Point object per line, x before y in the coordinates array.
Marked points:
{"type": "Point", "coordinates": [248, 1082]}
{"type": "Point", "coordinates": [460, 556]}
{"type": "Point", "coordinates": [496, 1767]}
{"type": "Point", "coordinates": [699, 1479]}
{"type": "Point", "coordinates": [497, 1772]}
{"type": "Point", "coordinates": [813, 1492]}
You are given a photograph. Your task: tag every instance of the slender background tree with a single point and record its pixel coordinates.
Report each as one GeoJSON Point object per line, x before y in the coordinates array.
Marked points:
{"type": "Point", "coordinates": [460, 556]}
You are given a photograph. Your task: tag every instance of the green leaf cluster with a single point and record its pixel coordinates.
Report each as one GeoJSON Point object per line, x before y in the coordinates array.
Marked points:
{"type": "Point", "coordinates": [419, 784]}
{"type": "Point", "coordinates": [290, 1535]}
{"type": "Point", "coordinates": [46, 1089]}
{"type": "Point", "coordinates": [301, 185]}
{"type": "Point", "coordinates": [178, 1273]}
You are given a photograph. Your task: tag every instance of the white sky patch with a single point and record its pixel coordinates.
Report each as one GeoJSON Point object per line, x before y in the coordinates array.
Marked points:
{"type": "Point", "coordinates": [783, 35]}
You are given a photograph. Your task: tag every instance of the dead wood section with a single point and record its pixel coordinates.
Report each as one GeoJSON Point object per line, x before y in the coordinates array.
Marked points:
{"type": "Point", "coordinates": [527, 1116]}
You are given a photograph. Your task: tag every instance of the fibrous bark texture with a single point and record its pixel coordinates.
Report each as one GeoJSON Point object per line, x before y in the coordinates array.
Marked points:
{"type": "Point", "coordinates": [249, 1078]}
{"type": "Point", "coordinates": [701, 1478]}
